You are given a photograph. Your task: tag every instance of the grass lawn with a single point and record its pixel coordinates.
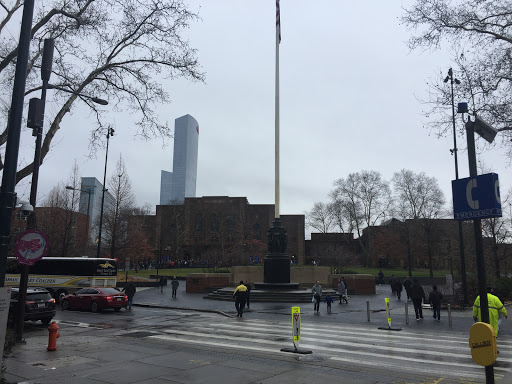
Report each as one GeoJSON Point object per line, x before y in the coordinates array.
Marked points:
{"type": "Point", "coordinates": [145, 273]}
{"type": "Point", "coordinates": [398, 272]}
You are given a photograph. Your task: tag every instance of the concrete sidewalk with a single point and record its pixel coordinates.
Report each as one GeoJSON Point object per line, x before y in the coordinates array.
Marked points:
{"type": "Point", "coordinates": [355, 312]}
{"type": "Point", "coordinates": [92, 354]}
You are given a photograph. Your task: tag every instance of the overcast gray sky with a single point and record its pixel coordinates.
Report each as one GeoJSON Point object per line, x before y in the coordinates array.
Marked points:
{"type": "Point", "coordinates": [349, 102]}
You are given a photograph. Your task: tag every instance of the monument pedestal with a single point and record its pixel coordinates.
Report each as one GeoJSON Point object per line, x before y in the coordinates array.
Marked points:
{"type": "Point", "coordinates": [276, 272]}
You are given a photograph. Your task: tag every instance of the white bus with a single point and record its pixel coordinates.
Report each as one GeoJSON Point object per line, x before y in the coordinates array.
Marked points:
{"type": "Point", "coordinates": [63, 275]}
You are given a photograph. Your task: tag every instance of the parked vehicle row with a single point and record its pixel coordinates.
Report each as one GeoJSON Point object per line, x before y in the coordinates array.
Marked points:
{"type": "Point", "coordinates": [95, 299]}
{"type": "Point", "coordinates": [40, 305]}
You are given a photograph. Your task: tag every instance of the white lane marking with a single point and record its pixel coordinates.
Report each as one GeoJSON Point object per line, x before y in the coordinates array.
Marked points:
{"type": "Point", "coordinates": [367, 330]}
{"type": "Point", "coordinates": [339, 340]}
{"type": "Point", "coordinates": [351, 330]}
{"type": "Point", "coordinates": [330, 349]}
{"type": "Point", "coordinates": [388, 365]}
{"type": "Point", "coordinates": [77, 324]}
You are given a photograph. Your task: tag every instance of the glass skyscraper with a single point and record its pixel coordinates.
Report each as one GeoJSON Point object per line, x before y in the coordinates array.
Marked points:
{"type": "Point", "coordinates": [181, 182]}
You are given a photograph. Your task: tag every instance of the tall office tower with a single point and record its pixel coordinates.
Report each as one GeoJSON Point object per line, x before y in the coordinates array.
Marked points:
{"type": "Point", "coordinates": [95, 188]}
{"type": "Point", "coordinates": [181, 182]}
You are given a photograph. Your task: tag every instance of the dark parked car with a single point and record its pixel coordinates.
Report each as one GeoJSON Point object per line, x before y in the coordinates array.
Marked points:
{"type": "Point", "coordinates": [39, 305]}
{"type": "Point", "coordinates": [95, 299]}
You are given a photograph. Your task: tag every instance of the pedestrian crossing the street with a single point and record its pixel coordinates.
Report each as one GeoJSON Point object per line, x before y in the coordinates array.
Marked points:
{"type": "Point", "coordinates": [432, 354]}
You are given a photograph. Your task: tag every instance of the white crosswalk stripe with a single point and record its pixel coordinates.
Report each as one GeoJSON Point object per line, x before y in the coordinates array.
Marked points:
{"type": "Point", "coordinates": [440, 355]}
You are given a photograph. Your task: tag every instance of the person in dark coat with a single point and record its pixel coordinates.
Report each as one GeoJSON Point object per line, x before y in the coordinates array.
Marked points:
{"type": "Point", "coordinates": [397, 287]}
{"type": "Point", "coordinates": [391, 281]}
{"type": "Point", "coordinates": [434, 298]}
{"type": "Point", "coordinates": [248, 295]}
{"type": "Point", "coordinates": [174, 284]}
{"type": "Point", "coordinates": [161, 283]}
{"type": "Point", "coordinates": [381, 277]}
{"type": "Point", "coordinates": [417, 295]}
{"type": "Point", "coordinates": [130, 290]}
{"type": "Point", "coordinates": [407, 286]}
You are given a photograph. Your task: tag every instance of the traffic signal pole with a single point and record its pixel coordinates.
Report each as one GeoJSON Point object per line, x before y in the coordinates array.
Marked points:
{"type": "Point", "coordinates": [480, 262]}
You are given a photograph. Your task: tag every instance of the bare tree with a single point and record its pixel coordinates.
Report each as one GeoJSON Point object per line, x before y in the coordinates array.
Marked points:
{"type": "Point", "coordinates": [320, 217]}
{"type": "Point", "coordinates": [418, 196]}
{"type": "Point", "coordinates": [60, 223]}
{"type": "Point", "coordinates": [481, 39]}
{"type": "Point", "coordinates": [116, 214]}
{"type": "Point", "coordinates": [341, 214]}
{"type": "Point", "coordinates": [120, 50]}
{"type": "Point", "coordinates": [498, 231]}
{"type": "Point", "coordinates": [367, 199]}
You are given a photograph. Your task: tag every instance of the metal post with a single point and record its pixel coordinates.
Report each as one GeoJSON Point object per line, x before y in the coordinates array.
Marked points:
{"type": "Point", "coordinates": [461, 239]}
{"type": "Point", "coordinates": [479, 248]}
{"type": "Point", "coordinates": [46, 68]}
{"type": "Point", "coordinates": [110, 132]}
{"type": "Point", "coordinates": [368, 309]}
{"type": "Point", "coordinates": [449, 315]}
{"type": "Point", "coordinates": [7, 194]}
{"type": "Point", "coordinates": [406, 312]}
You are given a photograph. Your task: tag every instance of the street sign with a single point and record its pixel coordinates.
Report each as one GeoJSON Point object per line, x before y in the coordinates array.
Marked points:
{"type": "Point", "coordinates": [296, 326]}
{"type": "Point", "coordinates": [31, 245]}
{"type": "Point", "coordinates": [127, 264]}
{"type": "Point", "coordinates": [482, 341]}
{"type": "Point", "coordinates": [476, 197]}
{"type": "Point", "coordinates": [388, 314]}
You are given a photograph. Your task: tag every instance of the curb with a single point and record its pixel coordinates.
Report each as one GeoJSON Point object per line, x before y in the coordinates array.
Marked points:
{"type": "Point", "coordinates": [182, 309]}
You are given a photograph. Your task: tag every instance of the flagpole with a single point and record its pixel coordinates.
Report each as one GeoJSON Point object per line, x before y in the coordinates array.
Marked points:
{"type": "Point", "coordinates": [278, 38]}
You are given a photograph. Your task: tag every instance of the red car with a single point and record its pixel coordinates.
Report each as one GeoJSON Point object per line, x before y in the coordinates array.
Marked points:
{"type": "Point", "coordinates": [95, 299]}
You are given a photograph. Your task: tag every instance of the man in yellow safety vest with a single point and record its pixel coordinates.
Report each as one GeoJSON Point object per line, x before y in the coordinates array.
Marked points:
{"type": "Point", "coordinates": [240, 296]}
{"type": "Point", "coordinates": [495, 308]}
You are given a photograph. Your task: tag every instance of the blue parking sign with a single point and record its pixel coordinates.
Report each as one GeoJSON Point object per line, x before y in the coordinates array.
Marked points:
{"type": "Point", "coordinates": [476, 197]}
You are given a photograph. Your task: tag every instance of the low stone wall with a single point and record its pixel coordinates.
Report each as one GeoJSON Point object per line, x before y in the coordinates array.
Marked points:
{"type": "Point", "coordinates": [309, 275]}
{"type": "Point", "coordinates": [302, 275]}
{"type": "Point", "coordinates": [249, 274]}
{"type": "Point", "coordinates": [199, 282]}
{"type": "Point", "coordinates": [357, 284]}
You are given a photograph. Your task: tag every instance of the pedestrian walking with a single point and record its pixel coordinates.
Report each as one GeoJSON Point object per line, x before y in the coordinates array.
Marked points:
{"type": "Point", "coordinates": [161, 283]}
{"type": "Point", "coordinates": [174, 285]}
{"type": "Point", "coordinates": [317, 295]}
{"type": "Point", "coordinates": [397, 287]}
{"type": "Point", "coordinates": [240, 296]}
{"type": "Point", "coordinates": [342, 290]}
{"type": "Point", "coordinates": [495, 308]}
{"type": "Point", "coordinates": [391, 281]}
{"type": "Point", "coordinates": [130, 290]}
{"type": "Point", "coordinates": [381, 277]}
{"type": "Point", "coordinates": [434, 298]}
{"type": "Point", "coordinates": [407, 286]}
{"type": "Point", "coordinates": [248, 295]}
{"type": "Point", "coordinates": [417, 295]}
{"type": "Point", "coordinates": [329, 300]}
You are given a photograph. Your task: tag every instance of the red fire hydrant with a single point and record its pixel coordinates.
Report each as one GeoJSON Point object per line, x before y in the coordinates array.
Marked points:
{"type": "Point", "coordinates": [53, 336]}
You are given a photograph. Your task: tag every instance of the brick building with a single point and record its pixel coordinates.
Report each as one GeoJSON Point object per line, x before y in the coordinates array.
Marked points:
{"type": "Point", "coordinates": [218, 229]}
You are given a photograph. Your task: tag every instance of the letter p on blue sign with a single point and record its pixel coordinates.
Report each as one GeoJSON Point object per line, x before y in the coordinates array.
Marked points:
{"type": "Point", "coordinates": [476, 197]}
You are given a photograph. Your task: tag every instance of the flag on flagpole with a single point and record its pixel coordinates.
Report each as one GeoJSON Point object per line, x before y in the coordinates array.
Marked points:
{"type": "Point", "coordinates": [278, 20]}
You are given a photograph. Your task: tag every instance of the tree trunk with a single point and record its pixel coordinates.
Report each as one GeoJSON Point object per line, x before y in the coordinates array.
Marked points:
{"type": "Point", "coordinates": [496, 264]}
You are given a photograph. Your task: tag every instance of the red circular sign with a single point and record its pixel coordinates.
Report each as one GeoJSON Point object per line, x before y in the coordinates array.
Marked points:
{"type": "Point", "coordinates": [31, 246]}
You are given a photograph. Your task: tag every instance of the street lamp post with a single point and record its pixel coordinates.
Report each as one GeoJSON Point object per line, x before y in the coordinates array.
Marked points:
{"type": "Point", "coordinates": [454, 152]}
{"type": "Point", "coordinates": [86, 238]}
{"type": "Point", "coordinates": [110, 132]}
